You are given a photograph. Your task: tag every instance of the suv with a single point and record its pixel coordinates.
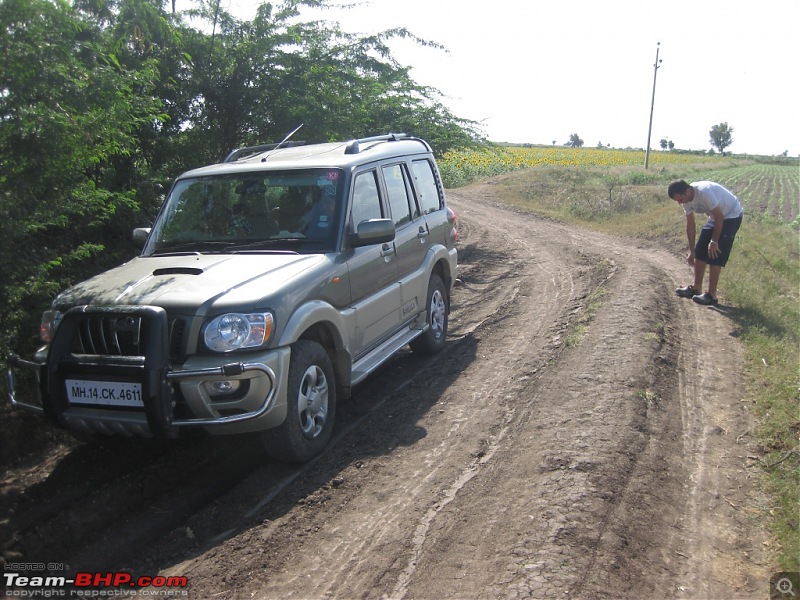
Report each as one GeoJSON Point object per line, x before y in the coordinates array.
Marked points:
{"type": "Point", "coordinates": [268, 286]}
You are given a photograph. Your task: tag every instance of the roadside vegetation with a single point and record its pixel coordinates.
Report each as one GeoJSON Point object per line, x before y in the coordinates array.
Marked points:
{"type": "Point", "coordinates": [609, 190]}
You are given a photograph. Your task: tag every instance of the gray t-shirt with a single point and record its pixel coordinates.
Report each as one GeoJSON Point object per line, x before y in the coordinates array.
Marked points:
{"type": "Point", "coordinates": [708, 195]}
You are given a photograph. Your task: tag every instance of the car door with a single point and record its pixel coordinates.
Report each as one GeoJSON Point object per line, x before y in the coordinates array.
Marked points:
{"type": "Point", "coordinates": [374, 284]}
{"type": "Point", "coordinates": [411, 237]}
{"type": "Point", "coordinates": [430, 193]}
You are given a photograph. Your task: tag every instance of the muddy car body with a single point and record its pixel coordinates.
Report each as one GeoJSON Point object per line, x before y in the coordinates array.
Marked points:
{"type": "Point", "coordinates": [269, 285]}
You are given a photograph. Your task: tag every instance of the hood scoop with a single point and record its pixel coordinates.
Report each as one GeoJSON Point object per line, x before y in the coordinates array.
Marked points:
{"type": "Point", "coordinates": [179, 271]}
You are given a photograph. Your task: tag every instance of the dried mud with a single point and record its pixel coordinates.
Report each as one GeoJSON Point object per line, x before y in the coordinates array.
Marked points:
{"type": "Point", "coordinates": [584, 435]}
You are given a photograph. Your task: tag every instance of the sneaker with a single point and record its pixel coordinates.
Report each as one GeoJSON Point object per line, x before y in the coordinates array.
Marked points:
{"type": "Point", "coordinates": [687, 292]}
{"type": "Point", "coordinates": [705, 299]}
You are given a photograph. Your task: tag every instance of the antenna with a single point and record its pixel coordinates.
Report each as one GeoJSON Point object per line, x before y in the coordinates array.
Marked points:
{"type": "Point", "coordinates": [282, 142]}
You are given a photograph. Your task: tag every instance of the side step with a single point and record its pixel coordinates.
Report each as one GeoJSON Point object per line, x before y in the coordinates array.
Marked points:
{"type": "Point", "coordinates": [371, 361]}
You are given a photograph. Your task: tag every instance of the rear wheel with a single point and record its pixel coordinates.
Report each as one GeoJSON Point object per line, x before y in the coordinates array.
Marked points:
{"type": "Point", "coordinates": [437, 309]}
{"type": "Point", "coordinates": [311, 406]}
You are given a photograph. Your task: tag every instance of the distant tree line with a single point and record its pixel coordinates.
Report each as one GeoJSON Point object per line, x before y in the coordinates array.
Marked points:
{"type": "Point", "coordinates": [103, 102]}
{"type": "Point", "coordinates": [720, 136]}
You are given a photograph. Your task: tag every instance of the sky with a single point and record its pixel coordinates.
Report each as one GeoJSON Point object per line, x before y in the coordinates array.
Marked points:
{"type": "Point", "coordinates": [533, 71]}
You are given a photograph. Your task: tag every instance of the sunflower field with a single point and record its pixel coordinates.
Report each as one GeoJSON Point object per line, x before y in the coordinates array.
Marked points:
{"type": "Point", "coordinates": [460, 167]}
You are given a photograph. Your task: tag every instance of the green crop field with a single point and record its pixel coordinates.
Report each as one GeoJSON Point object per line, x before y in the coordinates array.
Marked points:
{"type": "Point", "coordinates": [764, 188]}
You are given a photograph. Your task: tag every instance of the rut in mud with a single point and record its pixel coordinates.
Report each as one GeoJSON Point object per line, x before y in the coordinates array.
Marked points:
{"type": "Point", "coordinates": [575, 439]}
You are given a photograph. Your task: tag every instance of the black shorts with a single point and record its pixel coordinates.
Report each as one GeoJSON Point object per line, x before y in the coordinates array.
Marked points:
{"type": "Point", "coordinates": [729, 229]}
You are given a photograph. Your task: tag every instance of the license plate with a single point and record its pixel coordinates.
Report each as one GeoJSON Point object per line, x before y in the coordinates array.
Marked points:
{"type": "Point", "coordinates": [104, 393]}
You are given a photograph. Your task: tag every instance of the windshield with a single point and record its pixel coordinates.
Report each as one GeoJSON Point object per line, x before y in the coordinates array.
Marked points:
{"type": "Point", "coordinates": [297, 210]}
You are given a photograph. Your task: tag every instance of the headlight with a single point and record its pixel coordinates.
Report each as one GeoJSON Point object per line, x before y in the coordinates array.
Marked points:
{"type": "Point", "coordinates": [49, 324]}
{"type": "Point", "coordinates": [233, 331]}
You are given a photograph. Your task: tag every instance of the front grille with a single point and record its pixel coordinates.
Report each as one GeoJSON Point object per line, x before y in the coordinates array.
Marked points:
{"type": "Point", "coordinates": [115, 344]}
{"type": "Point", "coordinates": [177, 328]}
{"type": "Point", "coordinates": [121, 335]}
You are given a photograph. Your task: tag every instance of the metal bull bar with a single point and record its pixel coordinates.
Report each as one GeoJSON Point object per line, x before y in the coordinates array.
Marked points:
{"type": "Point", "coordinates": [16, 361]}
{"type": "Point", "coordinates": [229, 370]}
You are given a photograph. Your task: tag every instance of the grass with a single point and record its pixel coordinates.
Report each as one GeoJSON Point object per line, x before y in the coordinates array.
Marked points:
{"type": "Point", "coordinates": [762, 279]}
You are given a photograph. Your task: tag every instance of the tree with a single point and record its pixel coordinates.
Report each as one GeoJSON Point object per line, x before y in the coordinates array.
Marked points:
{"type": "Point", "coordinates": [69, 113]}
{"type": "Point", "coordinates": [666, 143]}
{"type": "Point", "coordinates": [575, 141]}
{"type": "Point", "coordinates": [103, 102]}
{"type": "Point", "coordinates": [254, 81]}
{"type": "Point", "coordinates": [721, 137]}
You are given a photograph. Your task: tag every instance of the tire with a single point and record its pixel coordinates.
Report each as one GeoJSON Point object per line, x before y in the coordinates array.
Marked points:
{"type": "Point", "coordinates": [311, 406]}
{"type": "Point", "coordinates": [437, 310]}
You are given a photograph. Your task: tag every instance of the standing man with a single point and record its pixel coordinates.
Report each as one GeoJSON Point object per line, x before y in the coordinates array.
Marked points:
{"type": "Point", "coordinates": [716, 237]}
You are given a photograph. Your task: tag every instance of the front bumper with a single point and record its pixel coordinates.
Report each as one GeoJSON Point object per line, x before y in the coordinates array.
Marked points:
{"type": "Point", "coordinates": [172, 397]}
{"type": "Point", "coordinates": [110, 422]}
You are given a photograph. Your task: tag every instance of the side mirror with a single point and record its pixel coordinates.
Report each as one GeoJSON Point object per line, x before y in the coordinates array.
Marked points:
{"type": "Point", "coordinates": [140, 235]}
{"type": "Point", "coordinates": [374, 231]}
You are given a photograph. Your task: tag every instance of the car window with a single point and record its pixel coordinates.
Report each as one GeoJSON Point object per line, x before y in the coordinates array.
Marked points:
{"type": "Point", "coordinates": [397, 192]}
{"type": "Point", "coordinates": [366, 201]}
{"type": "Point", "coordinates": [425, 184]}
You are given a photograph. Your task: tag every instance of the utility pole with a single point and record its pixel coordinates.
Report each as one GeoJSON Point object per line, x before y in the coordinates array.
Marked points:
{"type": "Point", "coordinates": [652, 104]}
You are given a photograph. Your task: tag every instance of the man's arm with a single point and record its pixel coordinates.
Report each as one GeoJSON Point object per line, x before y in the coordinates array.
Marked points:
{"type": "Point", "coordinates": [713, 246]}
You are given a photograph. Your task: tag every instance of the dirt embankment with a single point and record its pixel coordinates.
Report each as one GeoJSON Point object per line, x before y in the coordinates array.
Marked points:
{"type": "Point", "coordinates": [584, 435]}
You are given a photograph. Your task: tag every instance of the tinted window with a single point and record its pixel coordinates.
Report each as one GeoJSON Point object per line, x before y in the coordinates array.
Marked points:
{"type": "Point", "coordinates": [251, 210]}
{"type": "Point", "coordinates": [425, 184]}
{"type": "Point", "coordinates": [398, 194]}
{"type": "Point", "coordinates": [366, 202]}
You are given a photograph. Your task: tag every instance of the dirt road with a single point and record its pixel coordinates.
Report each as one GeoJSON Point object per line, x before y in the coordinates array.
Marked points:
{"type": "Point", "coordinates": [585, 435]}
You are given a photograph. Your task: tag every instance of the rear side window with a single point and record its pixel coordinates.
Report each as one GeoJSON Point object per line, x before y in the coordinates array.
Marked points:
{"type": "Point", "coordinates": [397, 191]}
{"type": "Point", "coordinates": [366, 202]}
{"type": "Point", "coordinates": [425, 183]}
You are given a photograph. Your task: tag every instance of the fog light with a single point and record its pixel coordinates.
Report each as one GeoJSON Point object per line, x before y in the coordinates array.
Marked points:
{"type": "Point", "coordinates": [222, 387]}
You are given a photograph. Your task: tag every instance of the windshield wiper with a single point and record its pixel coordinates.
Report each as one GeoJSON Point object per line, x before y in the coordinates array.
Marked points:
{"type": "Point", "coordinates": [271, 242]}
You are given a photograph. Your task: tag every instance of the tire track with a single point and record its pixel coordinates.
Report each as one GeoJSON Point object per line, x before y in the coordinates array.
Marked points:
{"type": "Point", "coordinates": [568, 440]}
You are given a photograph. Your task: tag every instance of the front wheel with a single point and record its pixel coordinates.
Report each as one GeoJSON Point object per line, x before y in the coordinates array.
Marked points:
{"type": "Point", "coordinates": [437, 309]}
{"type": "Point", "coordinates": [311, 405]}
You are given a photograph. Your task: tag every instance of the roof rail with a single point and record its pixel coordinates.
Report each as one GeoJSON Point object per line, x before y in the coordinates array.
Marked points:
{"type": "Point", "coordinates": [354, 146]}
{"type": "Point", "coordinates": [249, 151]}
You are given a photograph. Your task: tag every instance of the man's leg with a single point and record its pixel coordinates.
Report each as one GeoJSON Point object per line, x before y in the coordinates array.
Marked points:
{"type": "Point", "coordinates": [699, 273]}
{"type": "Point", "coordinates": [713, 279]}
{"type": "Point", "coordinates": [729, 229]}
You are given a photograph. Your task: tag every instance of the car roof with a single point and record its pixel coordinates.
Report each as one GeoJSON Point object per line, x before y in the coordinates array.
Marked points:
{"type": "Point", "coordinates": [329, 155]}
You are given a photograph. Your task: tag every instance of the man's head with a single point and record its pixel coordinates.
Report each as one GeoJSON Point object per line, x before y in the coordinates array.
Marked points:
{"type": "Point", "coordinates": [680, 191]}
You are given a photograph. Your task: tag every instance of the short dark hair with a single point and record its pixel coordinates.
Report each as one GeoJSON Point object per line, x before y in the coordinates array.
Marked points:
{"type": "Point", "coordinates": [677, 187]}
